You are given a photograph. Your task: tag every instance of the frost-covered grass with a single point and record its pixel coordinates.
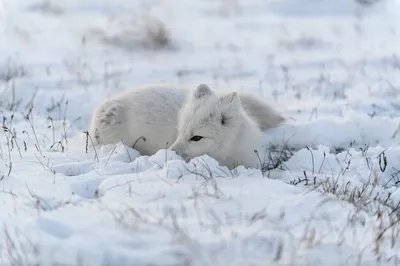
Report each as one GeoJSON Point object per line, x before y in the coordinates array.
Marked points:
{"type": "Point", "coordinates": [328, 191]}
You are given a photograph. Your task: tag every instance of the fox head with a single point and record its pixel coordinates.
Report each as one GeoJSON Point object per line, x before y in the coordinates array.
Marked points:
{"type": "Point", "coordinates": [208, 124]}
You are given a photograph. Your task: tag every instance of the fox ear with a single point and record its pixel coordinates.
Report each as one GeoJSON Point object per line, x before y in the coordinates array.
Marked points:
{"type": "Point", "coordinates": [230, 100]}
{"type": "Point", "coordinates": [201, 91]}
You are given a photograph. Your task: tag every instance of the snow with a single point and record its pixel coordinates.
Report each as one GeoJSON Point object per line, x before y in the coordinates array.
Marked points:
{"type": "Point", "coordinates": [331, 197]}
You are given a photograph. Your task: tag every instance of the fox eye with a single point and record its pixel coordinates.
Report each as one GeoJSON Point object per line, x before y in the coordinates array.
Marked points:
{"type": "Point", "coordinates": [223, 120]}
{"type": "Point", "coordinates": [196, 138]}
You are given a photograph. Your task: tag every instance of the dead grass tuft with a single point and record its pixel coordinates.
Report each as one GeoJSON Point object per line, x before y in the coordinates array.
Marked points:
{"type": "Point", "coordinates": [11, 70]}
{"type": "Point", "coordinates": [144, 32]}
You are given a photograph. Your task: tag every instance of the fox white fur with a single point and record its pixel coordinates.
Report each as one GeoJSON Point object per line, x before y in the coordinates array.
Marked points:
{"type": "Point", "coordinates": [161, 116]}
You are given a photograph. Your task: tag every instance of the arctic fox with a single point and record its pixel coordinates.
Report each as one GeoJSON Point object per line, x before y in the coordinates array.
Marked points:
{"type": "Point", "coordinates": [224, 125]}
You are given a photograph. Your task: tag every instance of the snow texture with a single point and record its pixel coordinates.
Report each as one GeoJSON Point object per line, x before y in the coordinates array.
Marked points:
{"type": "Point", "coordinates": [327, 194]}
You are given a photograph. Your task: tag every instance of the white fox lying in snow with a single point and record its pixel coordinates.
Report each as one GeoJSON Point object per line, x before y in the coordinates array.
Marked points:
{"type": "Point", "coordinates": [225, 125]}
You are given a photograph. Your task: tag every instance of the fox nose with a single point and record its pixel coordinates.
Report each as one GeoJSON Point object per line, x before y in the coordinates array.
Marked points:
{"type": "Point", "coordinates": [182, 154]}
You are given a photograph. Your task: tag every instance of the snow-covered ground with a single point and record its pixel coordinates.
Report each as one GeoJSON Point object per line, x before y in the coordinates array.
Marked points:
{"type": "Point", "coordinates": [328, 193]}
